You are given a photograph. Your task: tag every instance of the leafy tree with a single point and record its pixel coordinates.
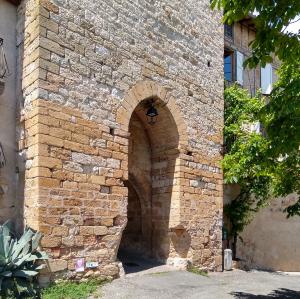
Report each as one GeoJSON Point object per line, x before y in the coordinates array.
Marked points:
{"type": "Point", "coordinates": [246, 162]}
{"type": "Point", "coordinates": [271, 21]}
{"type": "Point", "coordinates": [264, 165]}
{"type": "Point", "coordinates": [270, 162]}
{"type": "Point", "coordinates": [281, 120]}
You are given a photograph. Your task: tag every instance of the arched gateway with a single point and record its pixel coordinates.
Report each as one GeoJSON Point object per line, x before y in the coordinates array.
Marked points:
{"type": "Point", "coordinates": [93, 176]}
{"type": "Point", "coordinates": [96, 191]}
{"type": "Point", "coordinates": [154, 168]}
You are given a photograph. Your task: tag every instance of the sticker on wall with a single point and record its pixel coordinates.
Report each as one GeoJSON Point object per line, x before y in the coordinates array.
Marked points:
{"type": "Point", "coordinates": [92, 265]}
{"type": "Point", "coordinates": [79, 266]}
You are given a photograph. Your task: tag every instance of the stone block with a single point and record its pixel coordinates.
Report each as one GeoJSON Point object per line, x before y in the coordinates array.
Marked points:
{"type": "Point", "coordinates": [60, 231]}
{"type": "Point", "coordinates": [96, 179]}
{"type": "Point", "coordinates": [57, 265]}
{"type": "Point", "coordinates": [48, 182]}
{"type": "Point", "coordinates": [86, 230]}
{"type": "Point", "coordinates": [111, 270]}
{"type": "Point", "coordinates": [100, 230]}
{"type": "Point", "coordinates": [50, 241]}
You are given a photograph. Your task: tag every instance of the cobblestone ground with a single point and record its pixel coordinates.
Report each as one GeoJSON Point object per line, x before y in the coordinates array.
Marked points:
{"type": "Point", "coordinates": [181, 284]}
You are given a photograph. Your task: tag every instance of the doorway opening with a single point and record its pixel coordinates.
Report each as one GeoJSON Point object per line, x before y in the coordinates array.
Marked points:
{"type": "Point", "coordinates": [153, 198]}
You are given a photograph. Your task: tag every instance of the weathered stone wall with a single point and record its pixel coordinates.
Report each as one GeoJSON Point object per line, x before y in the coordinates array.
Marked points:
{"type": "Point", "coordinates": [86, 66]}
{"type": "Point", "coordinates": [134, 237]}
{"type": "Point", "coordinates": [74, 193]}
{"type": "Point", "coordinates": [137, 235]}
{"type": "Point", "coordinates": [270, 241]}
{"type": "Point", "coordinates": [9, 173]}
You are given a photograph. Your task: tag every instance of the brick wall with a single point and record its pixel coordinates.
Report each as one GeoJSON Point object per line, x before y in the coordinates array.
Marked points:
{"type": "Point", "coordinates": [74, 192]}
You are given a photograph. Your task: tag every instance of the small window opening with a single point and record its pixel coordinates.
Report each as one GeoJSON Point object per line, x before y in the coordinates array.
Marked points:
{"type": "Point", "coordinates": [228, 65]}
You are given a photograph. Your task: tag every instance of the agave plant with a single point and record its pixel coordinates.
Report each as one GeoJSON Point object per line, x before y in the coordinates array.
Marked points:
{"type": "Point", "coordinates": [19, 263]}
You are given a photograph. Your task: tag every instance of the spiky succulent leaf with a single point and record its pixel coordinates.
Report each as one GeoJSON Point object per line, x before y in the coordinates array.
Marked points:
{"type": "Point", "coordinates": [18, 247]}
{"type": "Point", "coordinates": [36, 240]}
{"type": "Point", "coordinates": [6, 273]}
{"type": "Point", "coordinates": [19, 263]}
{"type": "Point", "coordinates": [6, 228]}
{"type": "Point", "coordinates": [24, 258]}
{"type": "Point", "coordinates": [25, 273]}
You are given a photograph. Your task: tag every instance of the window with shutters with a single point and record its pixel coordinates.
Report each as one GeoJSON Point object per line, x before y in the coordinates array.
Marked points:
{"type": "Point", "coordinates": [266, 75]}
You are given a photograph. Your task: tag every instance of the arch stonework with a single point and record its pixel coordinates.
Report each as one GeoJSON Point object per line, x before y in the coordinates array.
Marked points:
{"type": "Point", "coordinates": [167, 219]}
{"type": "Point", "coordinates": [146, 89]}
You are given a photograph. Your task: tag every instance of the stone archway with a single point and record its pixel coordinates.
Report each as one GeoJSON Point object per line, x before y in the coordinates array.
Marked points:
{"type": "Point", "coordinates": [154, 172]}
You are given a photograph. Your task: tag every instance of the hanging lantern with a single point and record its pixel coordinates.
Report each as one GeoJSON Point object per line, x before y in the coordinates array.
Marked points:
{"type": "Point", "coordinates": [4, 70]}
{"type": "Point", "coordinates": [152, 114]}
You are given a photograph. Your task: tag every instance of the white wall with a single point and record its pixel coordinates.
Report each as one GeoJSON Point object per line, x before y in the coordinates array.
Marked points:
{"type": "Point", "coordinates": [272, 241]}
{"type": "Point", "coordinates": [8, 176]}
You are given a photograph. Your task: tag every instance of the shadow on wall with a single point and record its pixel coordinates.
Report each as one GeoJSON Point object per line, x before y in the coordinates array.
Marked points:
{"type": "Point", "coordinates": [280, 294]}
{"type": "Point", "coordinates": [11, 176]}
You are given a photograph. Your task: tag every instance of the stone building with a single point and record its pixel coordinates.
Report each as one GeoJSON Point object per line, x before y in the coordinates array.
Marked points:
{"type": "Point", "coordinates": [236, 50]}
{"type": "Point", "coordinates": [89, 169]}
{"type": "Point", "coordinates": [269, 241]}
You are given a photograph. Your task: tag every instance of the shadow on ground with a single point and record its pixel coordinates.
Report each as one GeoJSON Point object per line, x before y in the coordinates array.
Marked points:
{"type": "Point", "coordinates": [276, 294]}
{"type": "Point", "coordinates": [133, 262]}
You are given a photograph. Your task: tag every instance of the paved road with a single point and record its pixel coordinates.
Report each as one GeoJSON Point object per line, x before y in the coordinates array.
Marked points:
{"type": "Point", "coordinates": [185, 285]}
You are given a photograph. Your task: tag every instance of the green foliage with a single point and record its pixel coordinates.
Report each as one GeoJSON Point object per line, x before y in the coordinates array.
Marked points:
{"type": "Point", "coordinates": [19, 263]}
{"type": "Point", "coordinates": [281, 120]}
{"type": "Point", "coordinates": [73, 290]}
{"type": "Point", "coordinates": [246, 162]}
{"type": "Point", "coordinates": [197, 271]}
{"type": "Point", "coordinates": [159, 273]}
{"type": "Point", "coordinates": [273, 161]}
{"type": "Point", "coordinates": [263, 165]}
{"type": "Point", "coordinates": [272, 18]}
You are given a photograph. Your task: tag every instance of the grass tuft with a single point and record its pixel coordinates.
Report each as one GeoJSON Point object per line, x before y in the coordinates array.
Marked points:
{"type": "Point", "coordinates": [72, 289]}
{"type": "Point", "coordinates": [197, 271]}
{"type": "Point", "coordinates": [158, 273]}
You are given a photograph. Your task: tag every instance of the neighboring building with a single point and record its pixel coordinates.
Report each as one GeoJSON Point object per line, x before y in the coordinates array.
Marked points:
{"type": "Point", "coordinates": [84, 74]}
{"type": "Point", "coordinates": [270, 241]}
{"type": "Point", "coordinates": [237, 50]}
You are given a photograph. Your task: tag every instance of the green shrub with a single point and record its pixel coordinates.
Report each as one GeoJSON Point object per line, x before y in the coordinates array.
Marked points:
{"type": "Point", "coordinates": [19, 263]}
{"type": "Point", "coordinates": [72, 290]}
